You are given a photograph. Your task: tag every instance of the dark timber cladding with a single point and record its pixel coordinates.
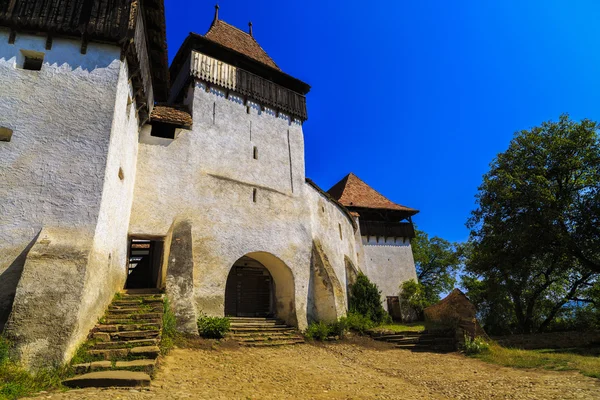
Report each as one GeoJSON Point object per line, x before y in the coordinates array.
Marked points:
{"type": "Point", "coordinates": [121, 22]}
{"type": "Point", "coordinates": [258, 77]}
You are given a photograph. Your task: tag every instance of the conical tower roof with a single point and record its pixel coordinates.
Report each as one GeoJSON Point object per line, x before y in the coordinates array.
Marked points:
{"type": "Point", "coordinates": [352, 192]}
{"type": "Point", "coordinates": [237, 40]}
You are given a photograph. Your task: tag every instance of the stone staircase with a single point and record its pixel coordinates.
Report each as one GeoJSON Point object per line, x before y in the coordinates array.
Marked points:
{"type": "Point", "coordinates": [123, 348]}
{"type": "Point", "coordinates": [262, 332]}
{"type": "Point", "coordinates": [438, 342]}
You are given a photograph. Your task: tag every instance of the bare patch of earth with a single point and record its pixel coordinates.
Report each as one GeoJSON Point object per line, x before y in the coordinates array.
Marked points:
{"type": "Point", "coordinates": [358, 369]}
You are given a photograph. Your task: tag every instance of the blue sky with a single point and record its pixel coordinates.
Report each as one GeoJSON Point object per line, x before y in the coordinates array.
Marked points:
{"type": "Point", "coordinates": [417, 97]}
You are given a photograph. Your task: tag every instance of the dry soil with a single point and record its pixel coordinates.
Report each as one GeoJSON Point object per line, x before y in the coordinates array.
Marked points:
{"type": "Point", "coordinates": [362, 369]}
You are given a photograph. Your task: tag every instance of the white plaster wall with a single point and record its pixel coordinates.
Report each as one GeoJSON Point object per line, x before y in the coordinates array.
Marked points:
{"type": "Point", "coordinates": [52, 172]}
{"type": "Point", "coordinates": [389, 262]}
{"type": "Point", "coordinates": [208, 174]}
{"type": "Point", "coordinates": [326, 221]}
{"type": "Point", "coordinates": [106, 272]}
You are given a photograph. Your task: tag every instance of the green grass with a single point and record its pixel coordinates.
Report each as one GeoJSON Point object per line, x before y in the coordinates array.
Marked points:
{"type": "Point", "coordinates": [16, 382]}
{"type": "Point", "coordinates": [169, 328]}
{"type": "Point", "coordinates": [584, 360]}
{"type": "Point", "coordinates": [396, 327]}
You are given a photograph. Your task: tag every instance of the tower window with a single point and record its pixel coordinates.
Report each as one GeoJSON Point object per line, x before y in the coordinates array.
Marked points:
{"type": "Point", "coordinates": [32, 60]}
{"type": "Point", "coordinates": [5, 134]}
{"type": "Point", "coordinates": [340, 227]}
{"type": "Point", "coordinates": [254, 195]}
{"type": "Point", "coordinates": [255, 153]}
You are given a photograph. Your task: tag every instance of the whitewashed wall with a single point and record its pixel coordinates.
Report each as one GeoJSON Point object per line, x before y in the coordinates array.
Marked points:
{"type": "Point", "coordinates": [56, 177]}
{"type": "Point", "coordinates": [207, 175]}
{"type": "Point", "coordinates": [389, 262]}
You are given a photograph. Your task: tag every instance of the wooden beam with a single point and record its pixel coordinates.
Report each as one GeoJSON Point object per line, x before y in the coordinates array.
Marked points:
{"type": "Point", "coordinates": [12, 36]}
{"type": "Point", "coordinates": [49, 42]}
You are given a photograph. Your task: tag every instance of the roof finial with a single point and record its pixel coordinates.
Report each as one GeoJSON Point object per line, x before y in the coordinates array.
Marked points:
{"type": "Point", "coordinates": [250, 28]}
{"type": "Point", "coordinates": [216, 12]}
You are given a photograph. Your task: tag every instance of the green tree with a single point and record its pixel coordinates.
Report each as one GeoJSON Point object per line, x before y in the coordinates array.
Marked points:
{"type": "Point", "coordinates": [535, 235]}
{"type": "Point", "coordinates": [437, 262]}
{"type": "Point", "coordinates": [365, 299]}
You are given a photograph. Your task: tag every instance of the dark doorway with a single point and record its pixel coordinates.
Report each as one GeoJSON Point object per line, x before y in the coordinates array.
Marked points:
{"type": "Point", "coordinates": [145, 261]}
{"type": "Point", "coordinates": [249, 290]}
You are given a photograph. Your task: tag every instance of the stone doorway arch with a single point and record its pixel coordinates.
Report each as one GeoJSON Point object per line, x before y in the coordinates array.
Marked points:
{"type": "Point", "coordinates": [260, 284]}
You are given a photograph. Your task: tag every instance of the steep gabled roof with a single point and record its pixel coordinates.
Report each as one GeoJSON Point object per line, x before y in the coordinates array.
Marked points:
{"type": "Point", "coordinates": [237, 40]}
{"type": "Point", "coordinates": [352, 192]}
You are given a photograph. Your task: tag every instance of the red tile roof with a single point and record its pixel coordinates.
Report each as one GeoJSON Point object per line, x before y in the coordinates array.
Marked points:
{"type": "Point", "coordinates": [173, 114]}
{"type": "Point", "coordinates": [240, 41]}
{"type": "Point", "coordinates": [351, 191]}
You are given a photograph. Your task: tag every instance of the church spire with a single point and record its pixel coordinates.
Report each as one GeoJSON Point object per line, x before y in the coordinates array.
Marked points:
{"type": "Point", "coordinates": [216, 15]}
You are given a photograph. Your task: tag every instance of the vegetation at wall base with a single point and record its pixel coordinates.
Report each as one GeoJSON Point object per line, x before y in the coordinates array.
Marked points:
{"type": "Point", "coordinates": [213, 327]}
{"type": "Point", "coordinates": [365, 300]}
{"type": "Point", "coordinates": [169, 328]}
{"type": "Point", "coordinates": [16, 382]}
{"type": "Point", "coordinates": [475, 345]}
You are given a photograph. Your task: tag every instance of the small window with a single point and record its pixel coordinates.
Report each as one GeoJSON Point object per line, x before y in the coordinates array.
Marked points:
{"type": "Point", "coordinates": [128, 110]}
{"type": "Point", "coordinates": [162, 130]}
{"type": "Point", "coordinates": [254, 195]}
{"type": "Point", "coordinates": [340, 226]}
{"type": "Point", "coordinates": [5, 134]}
{"type": "Point", "coordinates": [255, 153]}
{"type": "Point", "coordinates": [32, 60]}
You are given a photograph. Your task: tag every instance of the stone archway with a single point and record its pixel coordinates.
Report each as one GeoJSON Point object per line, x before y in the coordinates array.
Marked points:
{"type": "Point", "coordinates": [260, 284]}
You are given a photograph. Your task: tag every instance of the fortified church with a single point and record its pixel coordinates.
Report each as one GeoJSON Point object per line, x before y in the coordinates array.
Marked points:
{"type": "Point", "coordinates": [119, 172]}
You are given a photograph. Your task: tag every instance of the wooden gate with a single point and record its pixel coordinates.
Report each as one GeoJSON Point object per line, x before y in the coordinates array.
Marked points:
{"type": "Point", "coordinates": [248, 292]}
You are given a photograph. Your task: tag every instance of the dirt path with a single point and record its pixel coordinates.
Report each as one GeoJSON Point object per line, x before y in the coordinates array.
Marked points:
{"type": "Point", "coordinates": [342, 371]}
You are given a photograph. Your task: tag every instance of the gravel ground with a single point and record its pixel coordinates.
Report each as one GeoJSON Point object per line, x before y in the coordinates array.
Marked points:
{"type": "Point", "coordinates": [361, 369]}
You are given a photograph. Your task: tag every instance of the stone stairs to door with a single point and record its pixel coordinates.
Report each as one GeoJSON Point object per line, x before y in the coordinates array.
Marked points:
{"type": "Point", "coordinates": [263, 332]}
{"type": "Point", "coordinates": [419, 341]}
{"type": "Point", "coordinates": [123, 348]}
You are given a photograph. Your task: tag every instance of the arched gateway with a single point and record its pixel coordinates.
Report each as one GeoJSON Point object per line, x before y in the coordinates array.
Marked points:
{"type": "Point", "coordinates": [249, 290]}
{"type": "Point", "coordinates": [260, 285]}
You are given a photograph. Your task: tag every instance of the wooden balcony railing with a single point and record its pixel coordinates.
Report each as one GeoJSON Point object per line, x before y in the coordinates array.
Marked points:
{"type": "Point", "coordinates": [247, 84]}
{"type": "Point", "coordinates": [387, 229]}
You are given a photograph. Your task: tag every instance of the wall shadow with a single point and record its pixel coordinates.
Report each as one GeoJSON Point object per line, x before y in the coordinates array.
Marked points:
{"type": "Point", "coordinates": [9, 279]}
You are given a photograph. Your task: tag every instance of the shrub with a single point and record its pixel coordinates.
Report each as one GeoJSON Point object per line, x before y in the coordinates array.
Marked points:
{"type": "Point", "coordinates": [213, 327]}
{"type": "Point", "coordinates": [358, 323]}
{"type": "Point", "coordinates": [475, 345]}
{"type": "Point", "coordinates": [365, 299]}
{"type": "Point", "coordinates": [317, 331]}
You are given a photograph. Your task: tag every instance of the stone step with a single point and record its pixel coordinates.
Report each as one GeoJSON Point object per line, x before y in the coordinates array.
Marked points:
{"type": "Point", "coordinates": [256, 329]}
{"type": "Point", "coordinates": [134, 310]}
{"type": "Point", "coordinates": [123, 321]}
{"type": "Point", "coordinates": [261, 333]}
{"type": "Point", "coordinates": [109, 379]}
{"type": "Point", "coordinates": [251, 319]}
{"type": "Point", "coordinates": [124, 344]}
{"type": "Point", "coordinates": [92, 366]}
{"type": "Point", "coordinates": [133, 316]}
{"type": "Point", "coordinates": [126, 327]}
{"type": "Point", "coordinates": [114, 354]}
{"type": "Point", "coordinates": [145, 334]}
{"type": "Point", "coordinates": [245, 325]}
{"type": "Point", "coordinates": [268, 338]}
{"type": "Point", "coordinates": [273, 343]}
{"type": "Point", "coordinates": [143, 292]}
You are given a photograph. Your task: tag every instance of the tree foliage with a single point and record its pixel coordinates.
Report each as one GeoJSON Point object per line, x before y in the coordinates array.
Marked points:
{"type": "Point", "coordinates": [365, 299]}
{"type": "Point", "coordinates": [436, 261]}
{"type": "Point", "coordinates": [535, 236]}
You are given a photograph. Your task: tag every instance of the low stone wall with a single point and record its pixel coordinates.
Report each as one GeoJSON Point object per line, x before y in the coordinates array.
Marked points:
{"type": "Point", "coordinates": [551, 340]}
